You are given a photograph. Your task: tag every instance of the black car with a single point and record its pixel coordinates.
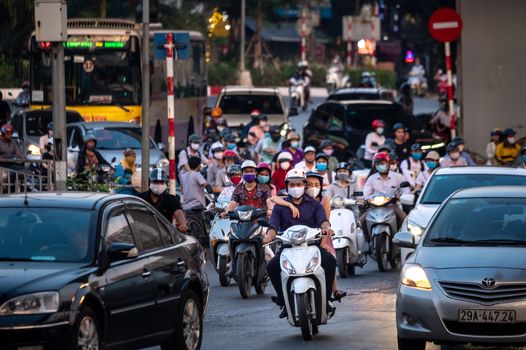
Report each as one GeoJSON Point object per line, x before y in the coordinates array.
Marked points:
{"type": "Point", "coordinates": [347, 123]}
{"type": "Point", "coordinates": [347, 94]}
{"type": "Point", "coordinates": [90, 271]}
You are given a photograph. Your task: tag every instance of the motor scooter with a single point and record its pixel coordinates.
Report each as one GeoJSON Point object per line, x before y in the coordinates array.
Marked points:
{"type": "Point", "coordinates": [418, 84]}
{"type": "Point", "coordinates": [219, 240]}
{"type": "Point", "coordinates": [348, 239]}
{"type": "Point", "coordinates": [297, 94]}
{"type": "Point", "coordinates": [333, 79]}
{"type": "Point", "coordinates": [303, 279]}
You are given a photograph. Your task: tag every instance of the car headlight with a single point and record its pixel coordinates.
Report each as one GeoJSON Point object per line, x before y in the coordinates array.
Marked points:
{"type": "Point", "coordinates": [415, 229]}
{"type": "Point", "coordinates": [298, 237]}
{"type": "Point", "coordinates": [244, 215]}
{"type": "Point", "coordinates": [415, 276]}
{"type": "Point", "coordinates": [287, 266]}
{"type": "Point", "coordinates": [163, 163]}
{"type": "Point", "coordinates": [337, 202]}
{"type": "Point", "coordinates": [314, 263]}
{"type": "Point", "coordinates": [34, 150]}
{"type": "Point", "coordinates": [37, 303]}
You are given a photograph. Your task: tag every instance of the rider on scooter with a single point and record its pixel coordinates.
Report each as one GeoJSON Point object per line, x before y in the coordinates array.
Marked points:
{"type": "Point", "coordinates": [344, 184]}
{"type": "Point", "coordinates": [313, 215]}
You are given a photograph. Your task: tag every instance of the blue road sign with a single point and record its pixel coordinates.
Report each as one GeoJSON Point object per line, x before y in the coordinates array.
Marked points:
{"type": "Point", "coordinates": [181, 43]}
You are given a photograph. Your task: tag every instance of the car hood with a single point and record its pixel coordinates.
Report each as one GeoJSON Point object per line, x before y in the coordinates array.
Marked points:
{"type": "Point", "coordinates": [18, 278]}
{"type": "Point", "coordinates": [454, 257]}
{"type": "Point", "coordinates": [108, 155]}
{"type": "Point", "coordinates": [422, 214]}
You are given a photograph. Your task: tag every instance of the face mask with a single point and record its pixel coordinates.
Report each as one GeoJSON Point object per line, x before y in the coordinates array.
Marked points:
{"type": "Point", "coordinates": [296, 192]}
{"type": "Point", "coordinates": [380, 131]}
{"type": "Point", "coordinates": [431, 165]}
{"type": "Point", "coordinates": [342, 177]}
{"type": "Point", "coordinates": [218, 155]}
{"type": "Point", "coordinates": [382, 168]}
{"type": "Point", "coordinates": [416, 156]}
{"type": "Point", "coordinates": [130, 160]}
{"type": "Point", "coordinates": [275, 138]}
{"type": "Point", "coordinates": [158, 189]}
{"type": "Point", "coordinates": [294, 144]}
{"type": "Point", "coordinates": [194, 146]}
{"type": "Point", "coordinates": [461, 148]}
{"type": "Point", "coordinates": [328, 152]}
{"type": "Point", "coordinates": [511, 140]}
{"type": "Point", "coordinates": [321, 166]}
{"type": "Point", "coordinates": [249, 178]}
{"type": "Point", "coordinates": [454, 155]}
{"type": "Point", "coordinates": [236, 179]}
{"type": "Point", "coordinates": [393, 167]}
{"type": "Point", "coordinates": [284, 165]}
{"type": "Point", "coordinates": [220, 128]}
{"type": "Point", "coordinates": [263, 179]}
{"type": "Point", "coordinates": [267, 135]}
{"type": "Point", "coordinates": [231, 146]}
{"type": "Point", "coordinates": [313, 192]}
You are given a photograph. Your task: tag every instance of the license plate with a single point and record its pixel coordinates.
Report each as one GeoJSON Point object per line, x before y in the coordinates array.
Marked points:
{"type": "Point", "coordinates": [486, 316]}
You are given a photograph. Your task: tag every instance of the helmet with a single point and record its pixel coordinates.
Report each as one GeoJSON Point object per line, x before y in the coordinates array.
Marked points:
{"type": "Point", "coordinates": [508, 132]}
{"type": "Point", "coordinates": [393, 156]}
{"type": "Point", "coordinates": [88, 137]}
{"type": "Point", "coordinates": [264, 166]}
{"type": "Point", "coordinates": [496, 131]}
{"type": "Point", "coordinates": [158, 174]}
{"type": "Point", "coordinates": [230, 138]}
{"type": "Point", "coordinates": [218, 148]}
{"type": "Point", "coordinates": [416, 147]}
{"type": "Point", "coordinates": [384, 148]}
{"type": "Point", "coordinates": [378, 123]}
{"type": "Point", "coordinates": [217, 112]}
{"type": "Point", "coordinates": [322, 155]}
{"type": "Point", "coordinates": [274, 129]}
{"type": "Point", "coordinates": [303, 64]}
{"type": "Point", "coordinates": [433, 155]}
{"type": "Point", "coordinates": [233, 169]}
{"type": "Point", "coordinates": [458, 140]}
{"type": "Point", "coordinates": [255, 113]}
{"type": "Point", "coordinates": [309, 149]}
{"type": "Point", "coordinates": [229, 154]}
{"type": "Point", "coordinates": [381, 156]}
{"type": "Point", "coordinates": [50, 126]}
{"type": "Point", "coordinates": [262, 116]}
{"type": "Point", "coordinates": [7, 127]}
{"type": "Point", "coordinates": [248, 164]}
{"type": "Point", "coordinates": [292, 136]}
{"type": "Point", "coordinates": [398, 126]}
{"type": "Point", "coordinates": [325, 143]}
{"type": "Point", "coordinates": [295, 174]}
{"type": "Point", "coordinates": [342, 165]}
{"type": "Point", "coordinates": [451, 146]}
{"type": "Point", "coordinates": [194, 138]}
{"type": "Point", "coordinates": [315, 174]}
{"type": "Point", "coordinates": [284, 156]}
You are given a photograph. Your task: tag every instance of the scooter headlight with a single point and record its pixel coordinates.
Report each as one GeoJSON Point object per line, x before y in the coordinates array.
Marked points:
{"type": "Point", "coordinates": [380, 200]}
{"type": "Point", "coordinates": [298, 237]}
{"type": "Point", "coordinates": [287, 266]}
{"type": "Point", "coordinates": [314, 263]}
{"type": "Point", "coordinates": [337, 202]}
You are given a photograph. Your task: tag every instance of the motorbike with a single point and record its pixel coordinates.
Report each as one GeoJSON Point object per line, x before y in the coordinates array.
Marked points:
{"type": "Point", "coordinates": [418, 83]}
{"type": "Point", "coordinates": [303, 279]}
{"type": "Point", "coordinates": [219, 240]}
{"type": "Point", "coordinates": [297, 94]}
{"type": "Point", "coordinates": [382, 225]}
{"type": "Point", "coordinates": [246, 241]}
{"type": "Point", "coordinates": [333, 79]}
{"type": "Point", "coordinates": [348, 240]}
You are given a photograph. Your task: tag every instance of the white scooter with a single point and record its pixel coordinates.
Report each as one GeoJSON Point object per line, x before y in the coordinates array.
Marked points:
{"type": "Point", "coordinates": [303, 279]}
{"type": "Point", "coordinates": [219, 240]}
{"type": "Point", "coordinates": [333, 79]}
{"type": "Point", "coordinates": [297, 93]}
{"type": "Point", "coordinates": [348, 240]}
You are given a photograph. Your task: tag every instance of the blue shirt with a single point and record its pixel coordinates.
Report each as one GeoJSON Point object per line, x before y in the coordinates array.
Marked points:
{"type": "Point", "coordinates": [312, 214]}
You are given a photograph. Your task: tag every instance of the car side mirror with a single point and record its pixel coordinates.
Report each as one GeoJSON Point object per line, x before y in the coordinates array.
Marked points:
{"type": "Point", "coordinates": [161, 146]}
{"type": "Point", "coordinates": [405, 184]}
{"type": "Point", "coordinates": [405, 239]}
{"type": "Point", "coordinates": [122, 251]}
{"type": "Point", "coordinates": [293, 111]}
{"type": "Point", "coordinates": [407, 199]}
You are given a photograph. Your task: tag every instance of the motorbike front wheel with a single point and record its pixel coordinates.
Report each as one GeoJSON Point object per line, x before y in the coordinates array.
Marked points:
{"type": "Point", "coordinates": [224, 280]}
{"type": "Point", "coordinates": [303, 312]}
{"type": "Point", "coordinates": [341, 261]}
{"type": "Point", "coordinates": [381, 253]}
{"type": "Point", "coordinates": [244, 264]}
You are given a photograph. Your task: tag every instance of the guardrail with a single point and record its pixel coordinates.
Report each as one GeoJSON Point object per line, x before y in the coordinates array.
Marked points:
{"type": "Point", "coordinates": [23, 175]}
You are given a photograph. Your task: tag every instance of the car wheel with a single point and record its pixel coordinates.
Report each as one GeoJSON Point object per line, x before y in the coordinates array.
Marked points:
{"type": "Point", "coordinates": [86, 332]}
{"type": "Point", "coordinates": [410, 344]}
{"type": "Point", "coordinates": [188, 333]}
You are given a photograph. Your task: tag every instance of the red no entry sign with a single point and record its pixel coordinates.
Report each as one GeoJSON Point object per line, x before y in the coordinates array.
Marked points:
{"type": "Point", "coordinates": [445, 24]}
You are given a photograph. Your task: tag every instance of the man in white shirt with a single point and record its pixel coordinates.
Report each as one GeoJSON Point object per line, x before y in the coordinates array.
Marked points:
{"type": "Point", "coordinates": [413, 165]}
{"type": "Point", "coordinates": [374, 140]}
{"type": "Point", "coordinates": [308, 163]}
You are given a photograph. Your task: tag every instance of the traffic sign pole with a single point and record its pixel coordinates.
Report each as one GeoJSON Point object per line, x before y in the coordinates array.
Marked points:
{"type": "Point", "coordinates": [303, 48]}
{"type": "Point", "coordinates": [170, 102]}
{"type": "Point", "coordinates": [349, 43]}
{"type": "Point", "coordinates": [451, 102]}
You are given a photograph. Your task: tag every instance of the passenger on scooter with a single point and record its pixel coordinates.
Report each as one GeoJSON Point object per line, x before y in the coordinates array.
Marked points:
{"type": "Point", "coordinates": [373, 141]}
{"type": "Point", "coordinates": [414, 164]}
{"type": "Point", "coordinates": [384, 181]}
{"type": "Point", "coordinates": [322, 167]}
{"type": "Point", "coordinates": [432, 161]}
{"type": "Point", "coordinates": [313, 215]}
{"type": "Point", "coordinates": [234, 175]}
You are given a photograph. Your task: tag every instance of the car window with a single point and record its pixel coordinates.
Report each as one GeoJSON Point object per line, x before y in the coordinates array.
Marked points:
{"type": "Point", "coordinates": [168, 235]}
{"type": "Point", "coordinates": [17, 125]}
{"type": "Point", "coordinates": [146, 229]}
{"type": "Point", "coordinates": [327, 117]}
{"type": "Point", "coordinates": [354, 96]}
{"type": "Point", "coordinates": [442, 186]}
{"type": "Point", "coordinates": [361, 116]}
{"type": "Point", "coordinates": [36, 124]}
{"type": "Point", "coordinates": [74, 137]}
{"type": "Point", "coordinates": [118, 138]}
{"type": "Point", "coordinates": [118, 230]}
{"type": "Point", "coordinates": [244, 104]}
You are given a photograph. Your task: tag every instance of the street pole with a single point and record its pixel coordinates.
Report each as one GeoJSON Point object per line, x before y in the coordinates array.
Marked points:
{"type": "Point", "coordinates": [59, 116]}
{"type": "Point", "coordinates": [145, 137]}
{"type": "Point", "coordinates": [349, 42]}
{"type": "Point", "coordinates": [170, 103]}
{"type": "Point", "coordinates": [242, 44]}
{"type": "Point", "coordinates": [450, 90]}
{"type": "Point", "coordinates": [303, 48]}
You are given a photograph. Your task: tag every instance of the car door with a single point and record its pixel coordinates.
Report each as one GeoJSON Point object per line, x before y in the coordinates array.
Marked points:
{"type": "Point", "coordinates": [130, 289]}
{"type": "Point", "coordinates": [168, 260]}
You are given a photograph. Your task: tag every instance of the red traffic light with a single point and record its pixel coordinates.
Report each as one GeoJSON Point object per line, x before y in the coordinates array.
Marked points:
{"type": "Point", "coordinates": [44, 45]}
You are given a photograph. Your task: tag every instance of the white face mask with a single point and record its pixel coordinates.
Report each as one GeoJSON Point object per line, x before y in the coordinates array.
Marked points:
{"type": "Point", "coordinates": [511, 139]}
{"type": "Point", "coordinates": [380, 131]}
{"type": "Point", "coordinates": [218, 155]}
{"type": "Point", "coordinates": [296, 192]}
{"type": "Point", "coordinates": [194, 146]}
{"type": "Point", "coordinates": [313, 192]}
{"type": "Point", "coordinates": [284, 165]}
{"type": "Point", "coordinates": [158, 189]}
{"type": "Point", "coordinates": [220, 128]}
{"type": "Point", "coordinates": [328, 152]}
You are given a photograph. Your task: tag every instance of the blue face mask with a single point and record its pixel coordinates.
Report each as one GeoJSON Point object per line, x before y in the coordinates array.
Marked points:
{"type": "Point", "coordinates": [382, 168]}
{"type": "Point", "coordinates": [267, 135]}
{"type": "Point", "coordinates": [321, 166]}
{"type": "Point", "coordinates": [524, 158]}
{"type": "Point", "coordinates": [231, 146]}
{"type": "Point", "coordinates": [294, 144]}
{"type": "Point", "coordinates": [416, 156]}
{"type": "Point", "coordinates": [263, 179]}
{"type": "Point", "coordinates": [431, 165]}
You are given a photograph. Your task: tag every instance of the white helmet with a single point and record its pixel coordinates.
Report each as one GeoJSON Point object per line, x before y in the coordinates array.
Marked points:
{"type": "Point", "coordinates": [284, 156]}
{"type": "Point", "coordinates": [248, 164]}
{"type": "Point", "coordinates": [303, 64]}
{"type": "Point", "coordinates": [295, 174]}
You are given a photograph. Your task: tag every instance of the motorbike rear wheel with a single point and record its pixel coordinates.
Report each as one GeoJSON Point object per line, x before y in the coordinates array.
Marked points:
{"type": "Point", "coordinates": [244, 263]}
{"type": "Point", "coordinates": [224, 280]}
{"type": "Point", "coordinates": [381, 253]}
{"type": "Point", "coordinates": [303, 315]}
{"type": "Point", "coordinates": [341, 261]}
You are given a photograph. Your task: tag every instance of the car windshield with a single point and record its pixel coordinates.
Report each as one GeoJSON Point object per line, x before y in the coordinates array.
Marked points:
{"type": "Point", "coordinates": [442, 186]}
{"type": "Point", "coordinates": [46, 234]}
{"type": "Point", "coordinates": [36, 124]}
{"type": "Point", "coordinates": [479, 221]}
{"type": "Point", "coordinates": [244, 104]}
{"type": "Point", "coordinates": [119, 138]}
{"type": "Point", "coordinates": [360, 116]}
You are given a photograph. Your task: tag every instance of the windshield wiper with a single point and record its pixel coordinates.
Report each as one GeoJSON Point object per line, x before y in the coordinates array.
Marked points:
{"type": "Point", "coordinates": [4, 258]}
{"type": "Point", "coordinates": [449, 240]}
{"type": "Point", "coordinates": [120, 106]}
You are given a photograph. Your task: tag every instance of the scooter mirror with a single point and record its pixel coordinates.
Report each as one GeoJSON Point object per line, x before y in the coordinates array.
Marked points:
{"type": "Point", "coordinates": [407, 199]}
{"type": "Point", "coordinates": [405, 184]}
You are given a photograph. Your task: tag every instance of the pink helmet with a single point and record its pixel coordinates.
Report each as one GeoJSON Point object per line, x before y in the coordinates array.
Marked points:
{"type": "Point", "coordinates": [264, 165]}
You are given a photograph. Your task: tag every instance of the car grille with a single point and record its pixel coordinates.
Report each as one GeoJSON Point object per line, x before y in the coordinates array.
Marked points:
{"type": "Point", "coordinates": [474, 292]}
{"type": "Point", "coordinates": [485, 329]}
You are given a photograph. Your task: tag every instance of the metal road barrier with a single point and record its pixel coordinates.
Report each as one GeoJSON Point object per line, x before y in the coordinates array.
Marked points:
{"type": "Point", "coordinates": [21, 176]}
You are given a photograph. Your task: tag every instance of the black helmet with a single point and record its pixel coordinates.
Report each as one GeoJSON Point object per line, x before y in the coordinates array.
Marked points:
{"type": "Point", "coordinates": [315, 174]}
{"type": "Point", "coordinates": [325, 143]}
{"type": "Point", "coordinates": [393, 155]}
{"type": "Point", "coordinates": [398, 126]}
{"type": "Point", "coordinates": [322, 155]}
{"type": "Point", "coordinates": [194, 138]}
{"type": "Point", "coordinates": [416, 147]}
{"type": "Point", "coordinates": [233, 169]}
{"type": "Point", "coordinates": [451, 146]}
{"type": "Point", "coordinates": [342, 165]}
{"type": "Point", "coordinates": [50, 126]}
{"type": "Point", "coordinates": [158, 174]}
{"type": "Point", "coordinates": [230, 138]}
